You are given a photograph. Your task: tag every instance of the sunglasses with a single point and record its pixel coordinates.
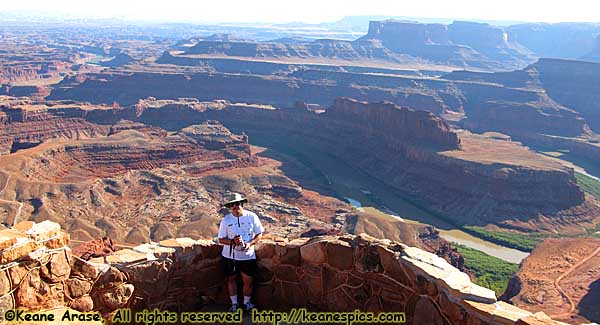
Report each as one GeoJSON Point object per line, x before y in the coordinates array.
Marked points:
{"type": "Point", "coordinates": [234, 204]}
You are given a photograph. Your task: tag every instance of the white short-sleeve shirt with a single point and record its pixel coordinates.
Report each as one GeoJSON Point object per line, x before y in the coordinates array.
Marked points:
{"type": "Point", "coordinates": [247, 225]}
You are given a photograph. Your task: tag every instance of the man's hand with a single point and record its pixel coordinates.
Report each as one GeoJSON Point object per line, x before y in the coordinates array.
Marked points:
{"type": "Point", "coordinates": [237, 240]}
{"type": "Point", "coordinates": [253, 241]}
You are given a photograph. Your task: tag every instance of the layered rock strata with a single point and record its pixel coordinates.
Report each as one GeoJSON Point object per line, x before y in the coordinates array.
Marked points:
{"type": "Point", "coordinates": [415, 151]}
{"type": "Point", "coordinates": [459, 44]}
{"type": "Point", "coordinates": [134, 178]}
{"type": "Point", "coordinates": [549, 104]}
{"type": "Point", "coordinates": [31, 70]}
{"type": "Point", "coordinates": [554, 88]}
{"type": "Point", "coordinates": [326, 273]}
{"type": "Point", "coordinates": [131, 150]}
{"type": "Point", "coordinates": [524, 104]}
{"type": "Point", "coordinates": [327, 48]}
{"type": "Point", "coordinates": [559, 40]}
{"type": "Point", "coordinates": [317, 87]}
{"type": "Point", "coordinates": [23, 126]}
{"type": "Point", "coordinates": [573, 84]}
{"type": "Point", "coordinates": [259, 67]}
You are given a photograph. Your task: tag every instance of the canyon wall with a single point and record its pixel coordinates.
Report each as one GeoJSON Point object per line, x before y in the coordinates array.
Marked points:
{"type": "Point", "coordinates": [594, 54]}
{"type": "Point", "coordinates": [560, 40]}
{"type": "Point", "coordinates": [21, 69]}
{"type": "Point", "coordinates": [402, 147]}
{"type": "Point", "coordinates": [580, 147]}
{"type": "Point", "coordinates": [555, 88]}
{"type": "Point", "coordinates": [24, 126]}
{"type": "Point", "coordinates": [459, 44]}
{"type": "Point", "coordinates": [342, 273]}
{"type": "Point", "coordinates": [522, 120]}
{"type": "Point", "coordinates": [245, 66]}
{"type": "Point", "coordinates": [279, 91]}
{"type": "Point", "coordinates": [209, 143]}
{"type": "Point", "coordinates": [413, 151]}
{"type": "Point", "coordinates": [516, 103]}
{"type": "Point", "coordinates": [125, 184]}
{"type": "Point", "coordinates": [573, 84]}
{"type": "Point", "coordinates": [322, 48]}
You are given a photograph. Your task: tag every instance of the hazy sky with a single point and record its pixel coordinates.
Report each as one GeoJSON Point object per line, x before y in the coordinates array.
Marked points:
{"type": "Point", "coordinates": [312, 10]}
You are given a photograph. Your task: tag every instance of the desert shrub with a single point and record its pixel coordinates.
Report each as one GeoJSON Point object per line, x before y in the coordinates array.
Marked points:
{"type": "Point", "coordinates": [588, 184]}
{"type": "Point", "coordinates": [490, 272]}
{"type": "Point", "coordinates": [522, 242]}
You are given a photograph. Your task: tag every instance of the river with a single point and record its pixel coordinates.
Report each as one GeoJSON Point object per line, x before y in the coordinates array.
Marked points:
{"type": "Point", "coordinates": [455, 235]}
{"type": "Point", "coordinates": [325, 173]}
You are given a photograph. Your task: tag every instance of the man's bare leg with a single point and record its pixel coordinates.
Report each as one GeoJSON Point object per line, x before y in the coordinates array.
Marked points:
{"type": "Point", "coordinates": [232, 285]}
{"type": "Point", "coordinates": [247, 280]}
{"type": "Point", "coordinates": [247, 284]}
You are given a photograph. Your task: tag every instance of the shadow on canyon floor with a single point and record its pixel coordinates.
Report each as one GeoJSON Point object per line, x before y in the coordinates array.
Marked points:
{"type": "Point", "coordinates": [588, 305]}
{"type": "Point", "coordinates": [319, 171]}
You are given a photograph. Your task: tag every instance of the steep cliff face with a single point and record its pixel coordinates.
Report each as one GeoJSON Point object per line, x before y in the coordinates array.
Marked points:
{"type": "Point", "coordinates": [501, 102]}
{"type": "Point", "coordinates": [523, 119]}
{"type": "Point", "coordinates": [594, 54]}
{"type": "Point", "coordinates": [128, 184]}
{"type": "Point", "coordinates": [529, 102]}
{"type": "Point", "coordinates": [464, 177]}
{"type": "Point", "coordinates": [279, 91]}
{"type": "Point", "coordinates": [393, 124]}
{"type": "Point", "coordinates": [323, 48]}
{"type": "Point", "coordinates": [131, 150]}
{"type": "Point", "coordinates": [562, 40]}
{"type": "Point", "coordinates": [283, 67]}
{"type": "Point", "coordinates": [460, 43]}
{"type": "Point", "coordinates": [560, 87]}
{"type": "Point", "coordinates": [26, 125]}
{"type": "Point", "coordinates": [34, 92]}
{"type": "Point", "coordinates": [477, 35]}
{"type": "Point", "coordinates": [396, 33]}
{"type": "Point", "coordinates": [30, 69]}
{"type": "Point", "coordinates": [586, 148]}
{"type": "Point", "coordinates": [476, 181]}
{"type": "Point", "coordinates": [17, 73]}
{"type": "Point", "coordinates": [573, 84]}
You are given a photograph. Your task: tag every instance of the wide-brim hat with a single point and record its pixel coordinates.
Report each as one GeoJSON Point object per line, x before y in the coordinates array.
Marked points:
{"type": "Point", "coordinates": [233, 197]}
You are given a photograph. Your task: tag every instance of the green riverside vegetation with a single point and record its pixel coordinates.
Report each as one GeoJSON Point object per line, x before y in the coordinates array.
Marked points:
{"type": "Point", "coordinates": [521, 242]}
{"type": "Point", "coordinates": [588, 184]}
{"type": "Point", "coordinates": [491, 272]}
{"type": "Point", "coordinates": [592, 186]}
{"type": "Point", "coordinates": [526, 242]}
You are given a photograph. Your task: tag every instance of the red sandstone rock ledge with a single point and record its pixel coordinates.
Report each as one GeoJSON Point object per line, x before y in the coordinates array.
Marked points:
{"type": "Point", "coordinates": [335, 273]}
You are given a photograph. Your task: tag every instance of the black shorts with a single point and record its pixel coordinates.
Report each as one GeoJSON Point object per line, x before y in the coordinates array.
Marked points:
{"type": "Point", "coordinates": [233, 267]}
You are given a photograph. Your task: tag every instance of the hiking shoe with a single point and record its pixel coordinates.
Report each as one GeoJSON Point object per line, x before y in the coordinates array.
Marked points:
{"type": "Point", "coordinates": [249, 306]}
{"type": "Point", "coordinates": [234, 308]}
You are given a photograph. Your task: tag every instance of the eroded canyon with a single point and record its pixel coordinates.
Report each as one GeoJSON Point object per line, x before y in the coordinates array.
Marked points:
{"type": "Point", "coordinates": [137, 137]}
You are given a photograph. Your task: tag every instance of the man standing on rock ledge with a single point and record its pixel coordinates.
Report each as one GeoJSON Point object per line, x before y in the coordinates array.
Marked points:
{"type": "Point", "coordinates": [238, 232]}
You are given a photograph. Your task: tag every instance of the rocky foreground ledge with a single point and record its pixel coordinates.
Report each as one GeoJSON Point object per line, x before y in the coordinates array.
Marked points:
{"type": "Point", "coordinates": [327, 273]}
